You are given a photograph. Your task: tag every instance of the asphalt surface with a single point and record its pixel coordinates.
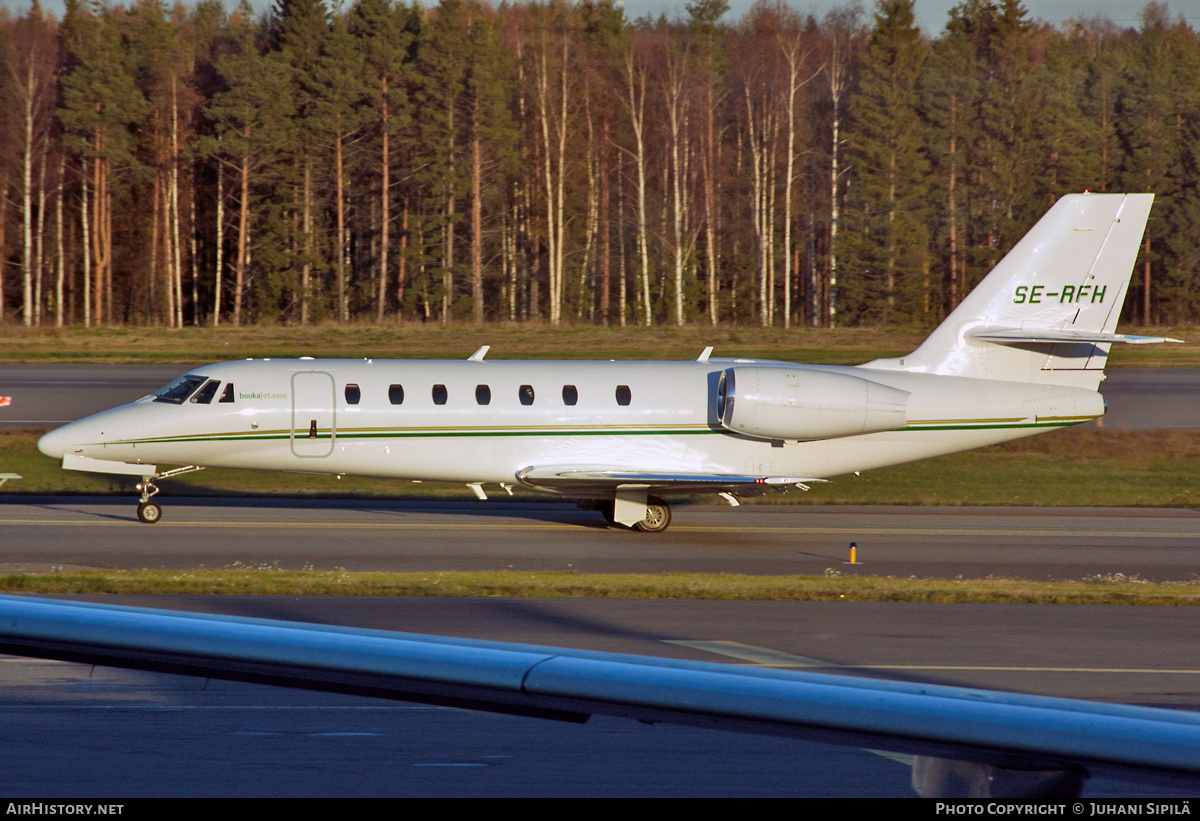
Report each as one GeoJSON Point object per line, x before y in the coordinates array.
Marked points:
{"type": "Point", "coordinates": [39, 533]}
{"type": "Point", "coordinates": [51, 395]}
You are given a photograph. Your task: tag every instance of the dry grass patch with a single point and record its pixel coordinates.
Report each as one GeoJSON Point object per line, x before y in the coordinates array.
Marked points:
{"type": "Point", "coordinates": [834, 586]}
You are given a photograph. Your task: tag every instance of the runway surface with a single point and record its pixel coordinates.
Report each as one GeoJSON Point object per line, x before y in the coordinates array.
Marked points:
{"type": "Point", "coordinates": [45, 396]}
{"type": "Point", "coordinates": [1032, 543]}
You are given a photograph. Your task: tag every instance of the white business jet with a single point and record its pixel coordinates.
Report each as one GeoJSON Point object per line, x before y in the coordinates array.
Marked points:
{"type": "Point", "coordinates": [1022, 354]}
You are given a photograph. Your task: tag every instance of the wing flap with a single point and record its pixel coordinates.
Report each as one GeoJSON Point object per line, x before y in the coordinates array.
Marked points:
{"type": "Point", "coordinates": [593, 479]}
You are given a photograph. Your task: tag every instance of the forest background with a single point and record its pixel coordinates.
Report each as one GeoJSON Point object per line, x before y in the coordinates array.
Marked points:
{"type": "Point", "coordinates": [557, 163]}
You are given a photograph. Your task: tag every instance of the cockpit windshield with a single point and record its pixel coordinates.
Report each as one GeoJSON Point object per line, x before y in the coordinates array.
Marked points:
{"type": "Point", "coordinates": [178, 391]}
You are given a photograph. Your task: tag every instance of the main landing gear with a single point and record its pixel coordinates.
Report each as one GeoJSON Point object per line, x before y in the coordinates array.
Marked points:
{"type": "Point", "coordinates": [658, 515]}
{"type": "Point", "coordinates": [148, 511]}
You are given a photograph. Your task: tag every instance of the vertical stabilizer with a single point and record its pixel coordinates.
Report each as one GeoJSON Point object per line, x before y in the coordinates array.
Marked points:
{"type": "Point", "coordinates": [1047, 313]}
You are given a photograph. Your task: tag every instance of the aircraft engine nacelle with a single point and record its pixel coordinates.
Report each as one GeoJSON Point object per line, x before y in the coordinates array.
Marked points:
{"type": "Point", "coordinates": [784, 403]}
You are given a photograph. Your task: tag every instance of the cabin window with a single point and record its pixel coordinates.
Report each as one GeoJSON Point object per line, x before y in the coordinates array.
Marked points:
{"type": "Point", "coordinates": [396, 394]}
{"type": "Point", "coordinates": [353, 394]}
{"type": "Point", "coordinates": [570, 395]}
{"type": "Point", "coordinates": [205, 395]}
{"type": "Point", "coordinates": [227, 394]}
{"type": "Point", "coordinates": [179, 390]}
{"type": "Point", "coordinates": [525, 392]}
{"type": "Point", "coordinates": [624, 397]}
{"type": "Point", "coordinates": [483, 395]}
{"type": "Point", "coordinates": [439, 394]}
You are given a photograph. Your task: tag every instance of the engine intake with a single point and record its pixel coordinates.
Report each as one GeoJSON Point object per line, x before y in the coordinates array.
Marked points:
{"type": "Point", "coordinates": [797, 403]}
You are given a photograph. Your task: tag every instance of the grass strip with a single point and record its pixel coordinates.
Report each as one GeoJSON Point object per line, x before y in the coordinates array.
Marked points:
{"type": "Point", "coordinates": [827, 346]}
{"type": "Point", "coordinates": [834, 586]}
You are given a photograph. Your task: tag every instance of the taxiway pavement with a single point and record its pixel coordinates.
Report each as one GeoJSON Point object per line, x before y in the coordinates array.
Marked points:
{"type": "Point", "coordinates": [948, 542]}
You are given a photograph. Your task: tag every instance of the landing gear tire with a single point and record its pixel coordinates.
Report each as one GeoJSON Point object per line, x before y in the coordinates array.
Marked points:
{"type": "Point", "coordinates": [149, 512]}
{"type": "Point", "coordinates": [658, 516]}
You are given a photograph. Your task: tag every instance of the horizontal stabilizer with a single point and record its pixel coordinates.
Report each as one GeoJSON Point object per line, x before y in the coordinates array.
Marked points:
{"type": "Point", "coordinates": [73, 462]}
{"type": "Point", "coordinates": [1050, 336]}
{"type": "Point", "coordinates": [581, 479]}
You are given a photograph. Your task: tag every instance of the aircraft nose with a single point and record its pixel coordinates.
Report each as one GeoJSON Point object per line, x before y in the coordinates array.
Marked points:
{"type": "Point", "coordinates": [111, 426]}
{"type": "Point", "coordinates": [55, 443]}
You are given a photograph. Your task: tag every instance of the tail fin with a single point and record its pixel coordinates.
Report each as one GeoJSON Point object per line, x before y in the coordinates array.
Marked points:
{"type": "Point", "coordinates": [1047, 313]}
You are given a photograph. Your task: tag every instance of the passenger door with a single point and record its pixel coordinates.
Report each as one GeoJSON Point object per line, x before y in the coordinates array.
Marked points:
{"type": "Point", "coordinates": [314, 428]}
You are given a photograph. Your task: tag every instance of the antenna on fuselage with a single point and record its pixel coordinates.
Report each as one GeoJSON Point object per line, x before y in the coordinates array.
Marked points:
{"type": "Point", "coordinates": [479, 354]}
{"type": "Point", "coordinates": [703, 357]}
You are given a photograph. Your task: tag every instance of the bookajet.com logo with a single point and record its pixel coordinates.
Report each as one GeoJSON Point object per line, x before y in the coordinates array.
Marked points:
{"type": "Point", "coordinates": [263, 395]}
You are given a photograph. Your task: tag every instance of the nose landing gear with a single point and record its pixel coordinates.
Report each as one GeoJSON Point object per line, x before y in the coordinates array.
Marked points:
{"type": "Point", "coordinates": [148, 511]}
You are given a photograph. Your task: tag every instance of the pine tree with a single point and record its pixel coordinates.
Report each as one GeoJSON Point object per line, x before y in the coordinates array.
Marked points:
{"type": "Point", "coordinates": [888, 266]}
{"type": "Point", "coordinates": [492, 135]}
{"type": "Point", "coordinates": [299, 35]}
{"type": "Point", "coordinates": [252, 126]}
{"type": "Point", "coordinates": [338, 114]}
{"type": "Point", "coordinates": [388, 35]}
{"type": "Point", "coordinates": [441, 121]}
{"type": "Point", "coordinates": [101, 105]}
{"type": "Point", "coordinates": [950, 89]}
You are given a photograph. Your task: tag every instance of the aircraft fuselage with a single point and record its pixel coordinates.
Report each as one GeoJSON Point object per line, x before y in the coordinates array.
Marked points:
{"type": "Point", "coordinates": [467, 421]}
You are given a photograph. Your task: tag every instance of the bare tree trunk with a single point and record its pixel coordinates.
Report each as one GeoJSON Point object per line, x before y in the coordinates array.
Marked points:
{"type": "Point", "coordinates": [385, 203]}
{"type": "Point", "coordinates": [87, 246]}
{"type": "Point", "coordinates": [636, 85]}
{"type": "Point", "coordinates": [676, 114]}
{"type": "Point", "coordinates": [27, 203]}
{"type": "Point", "coordinates": [220, 262]}
{"type": "Point", "coordinates": [60, 270]}
{"type": "Point", "coordinates": [343, 312]}
{"type": "Point", "coordinates": [3, 237]}
{"type": "Point", "coordinates": [307, 228]}
{"type": "Point", "coordinates": [402, 270]}
{"type": "Point", "coordinates": [838, 68]}
{"type": "Point", "coordinates": [791, 51]}
{"type": "Point", "coordinates": [176, 228]}
{"type": "Point", "coordinates": [605, 231]}
{"type": "Point", "coordinates": [476, 218]}
{"type": "Point", "coordinates": [624, 270]}
{"type": "Point", "coordinates": [40, 240]}
{"type": "Point", "coordinates": [1146, 282]}
{"type": "Point", "coordinates": [155, 237]}
{"type": "Point", "coordinates": [243, 236]}
{"type": "Point", "coordinates": [710, 209]}
{"type": "Point", "coordinates": [192, 253]}
{"type": "Point", "coordinates": [554, 143]}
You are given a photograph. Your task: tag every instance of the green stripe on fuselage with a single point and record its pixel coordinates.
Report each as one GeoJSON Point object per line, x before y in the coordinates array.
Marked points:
{"type": "Point", "coordinates": [631, 430]}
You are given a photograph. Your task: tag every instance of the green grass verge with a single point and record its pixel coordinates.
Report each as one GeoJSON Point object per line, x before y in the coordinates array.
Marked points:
{"type": "Point", "coordinates": [694, 586]}
{"type": "Point", "coordinates": [1077, 467]}
{"type": "Point", "coordinates": [838, 346]}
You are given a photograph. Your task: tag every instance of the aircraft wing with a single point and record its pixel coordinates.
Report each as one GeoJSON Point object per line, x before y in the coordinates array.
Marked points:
{"type": "Point", "coordinates": [583, 479]}
{"type": "Point", "coordinates": [1059, 740]}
